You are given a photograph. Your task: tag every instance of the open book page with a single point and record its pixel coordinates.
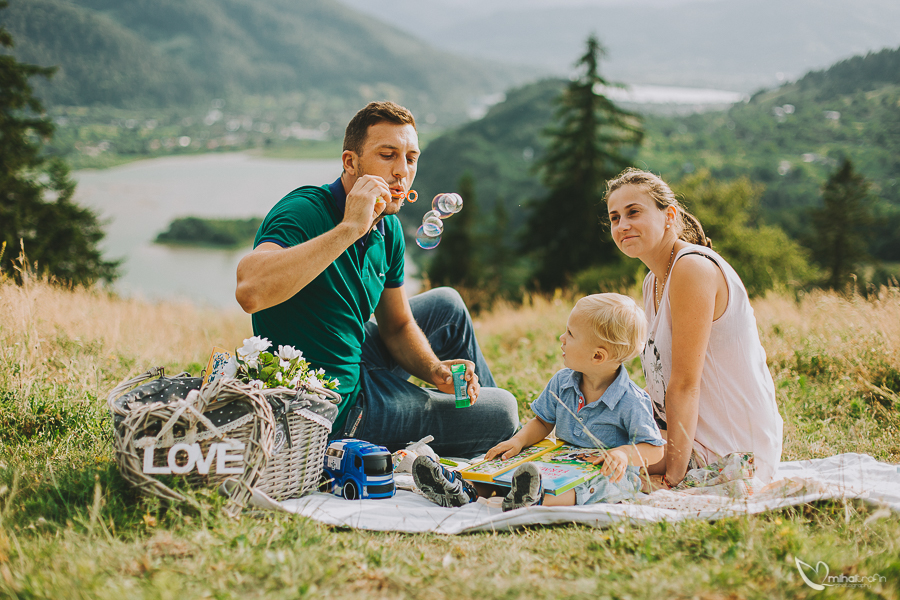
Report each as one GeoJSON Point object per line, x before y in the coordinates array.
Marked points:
{"type": "Point", "coordinates": [561, 469]}
{"type": "Point", "coordinates": [487, 470]}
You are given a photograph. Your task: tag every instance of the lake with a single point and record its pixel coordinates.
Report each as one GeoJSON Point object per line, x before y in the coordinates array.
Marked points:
{"type": "Point", "coordinates": [138, 200]}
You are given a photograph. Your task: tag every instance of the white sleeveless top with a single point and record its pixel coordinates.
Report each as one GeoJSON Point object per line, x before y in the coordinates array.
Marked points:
{"type": "Point", "coordinates": [737, 409]}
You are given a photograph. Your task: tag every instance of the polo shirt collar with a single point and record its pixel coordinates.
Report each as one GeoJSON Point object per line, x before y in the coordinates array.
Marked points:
{"type": "Point", "coordinates": [613, 393]}
{"type": "Point", "coordinates": [340, 202]}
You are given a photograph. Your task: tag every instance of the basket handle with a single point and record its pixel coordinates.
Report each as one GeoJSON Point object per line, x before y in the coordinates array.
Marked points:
{"type": "Point", "coordinates": [126, 385]}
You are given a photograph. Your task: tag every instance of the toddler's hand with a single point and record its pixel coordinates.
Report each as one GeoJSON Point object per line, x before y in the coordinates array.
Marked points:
{"type": "Point", "coordinates": [614, 463]}
{"type": "Point", "coordinates": [505, 450]}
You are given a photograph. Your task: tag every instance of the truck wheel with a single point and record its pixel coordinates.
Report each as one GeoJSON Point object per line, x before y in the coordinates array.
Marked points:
{"type": "Point", "coordinates": [350, 492]}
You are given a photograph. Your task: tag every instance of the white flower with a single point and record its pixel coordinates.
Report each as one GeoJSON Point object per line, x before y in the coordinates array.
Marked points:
{"type": "Point", "coordinates": [279, 376]}
{"type": "Point", "coordinates": [252, 362]}
{"type": "Point", "coordinates": [253, 346]}
{"type": "Point", "coordinates": [295, 381]}
{"type": "Point", "coordinates": [256, 384]}
{"type": "Point", "coordinates": [288, 353]}
{"type": "Point", "coordinates": [231, 367]}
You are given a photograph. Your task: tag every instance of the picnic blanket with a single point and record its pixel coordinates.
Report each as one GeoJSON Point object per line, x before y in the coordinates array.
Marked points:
{"type": "Point", "coordinates": [841, 477]}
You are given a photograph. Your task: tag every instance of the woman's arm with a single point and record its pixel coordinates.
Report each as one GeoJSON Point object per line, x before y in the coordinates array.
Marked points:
{"type": "Point", "coordinates": [695, 284]}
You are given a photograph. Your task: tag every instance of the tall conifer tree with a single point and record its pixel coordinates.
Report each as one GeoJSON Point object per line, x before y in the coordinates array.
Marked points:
{"type": "Point", "coordinates": [588, 145]}
{"type": "Point", "coordinates": [840, 224]}
{"type": "Point", "coordinates": [36, 207]}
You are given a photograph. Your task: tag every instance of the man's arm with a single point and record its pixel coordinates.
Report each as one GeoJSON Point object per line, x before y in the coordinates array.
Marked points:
{"type": "Point", "coordinates": [410, 348]}
{"type": "Point", "coordinates": [271, 274]}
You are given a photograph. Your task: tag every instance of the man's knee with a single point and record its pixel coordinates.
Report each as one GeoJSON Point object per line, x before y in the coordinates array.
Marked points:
{"type": "Point", "coordinates": [505, 410]}
{"type": "Point", "coordinates": [449, 298]}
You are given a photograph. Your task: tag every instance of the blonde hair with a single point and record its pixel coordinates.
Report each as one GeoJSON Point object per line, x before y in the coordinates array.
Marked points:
{"type": "Point", "coordinates": [617, 322]}
{"type": "Point", "coordinates": [688, 227]}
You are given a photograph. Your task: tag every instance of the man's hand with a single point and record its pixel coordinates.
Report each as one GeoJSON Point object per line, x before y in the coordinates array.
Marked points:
{"type": "Point", "coordinates": [363, 206]}
{"type": "Point", "coordinates": [505, 450]}
{"type": "Point", "coordinates": [614, 463]}
{"type": "Point", "coordinates": [442, 378]}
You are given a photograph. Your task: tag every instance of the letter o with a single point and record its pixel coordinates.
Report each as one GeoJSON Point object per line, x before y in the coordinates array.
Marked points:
{"type": "Point", "coordinates": [192, 458]}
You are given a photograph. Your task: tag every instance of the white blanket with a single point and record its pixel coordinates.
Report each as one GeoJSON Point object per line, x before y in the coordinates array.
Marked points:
{"type": "Point", "coordinates": [845, 476]}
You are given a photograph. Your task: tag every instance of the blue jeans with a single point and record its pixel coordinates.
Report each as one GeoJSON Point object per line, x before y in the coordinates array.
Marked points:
{"type": "Point", "coordinates": [390, 411]}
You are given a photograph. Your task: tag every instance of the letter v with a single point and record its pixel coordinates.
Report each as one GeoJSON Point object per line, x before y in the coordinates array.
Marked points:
{"type": "Point", "coordinates": [203, 464]}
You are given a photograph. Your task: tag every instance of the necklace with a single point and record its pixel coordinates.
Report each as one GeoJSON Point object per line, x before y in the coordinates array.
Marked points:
{"type": "Point", "coordinates": [656, 295]}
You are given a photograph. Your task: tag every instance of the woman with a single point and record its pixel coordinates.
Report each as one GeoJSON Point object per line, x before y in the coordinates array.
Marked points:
{"type": "Point", "coordinates": [704, 365]}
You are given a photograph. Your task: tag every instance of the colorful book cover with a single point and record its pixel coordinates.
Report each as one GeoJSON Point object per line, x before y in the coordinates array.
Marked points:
{"type": "Point", "coordinates": [486, 470]}
{"type": "Point", "coordinates": [215, 368]}
{"type": "Point", "coordinates": [561, 469]}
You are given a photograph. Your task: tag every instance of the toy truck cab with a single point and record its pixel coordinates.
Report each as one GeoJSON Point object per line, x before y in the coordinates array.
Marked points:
{"type": "Point", "coordinates": [356, 469]}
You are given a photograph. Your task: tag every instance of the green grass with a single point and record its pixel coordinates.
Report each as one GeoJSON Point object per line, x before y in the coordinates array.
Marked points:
{"type": "Point", "coordinates": [71, 528]}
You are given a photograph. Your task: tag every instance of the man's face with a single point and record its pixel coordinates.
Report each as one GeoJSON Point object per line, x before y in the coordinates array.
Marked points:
{"type": "Point", "coordinates": [391, 152]}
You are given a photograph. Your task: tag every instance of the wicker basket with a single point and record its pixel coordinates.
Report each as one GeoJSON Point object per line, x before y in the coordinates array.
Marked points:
{"type": "Point", "coordinates": [281, 433]}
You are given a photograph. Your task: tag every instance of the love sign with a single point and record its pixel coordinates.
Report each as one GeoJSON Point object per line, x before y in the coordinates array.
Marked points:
{"type": "Point", "coordinates": [191, 456]}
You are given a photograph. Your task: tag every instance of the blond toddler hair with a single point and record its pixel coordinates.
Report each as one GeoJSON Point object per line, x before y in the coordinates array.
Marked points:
{"type": "Point", "coordinates": [618, 323]}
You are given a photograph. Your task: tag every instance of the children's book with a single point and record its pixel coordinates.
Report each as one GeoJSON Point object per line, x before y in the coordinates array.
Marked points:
{"type": "Point", "coordinates": [488, 470]}
{"type": "Point", "coordinates": [561, 469]}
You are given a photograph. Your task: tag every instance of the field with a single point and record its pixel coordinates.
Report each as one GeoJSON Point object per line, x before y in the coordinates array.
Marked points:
{"type": "Point", "coordinates": [70, 528]}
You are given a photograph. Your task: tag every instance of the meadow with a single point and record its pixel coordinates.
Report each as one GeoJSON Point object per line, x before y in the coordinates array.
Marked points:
{"type": "Point", "coordinates": [71, 528]}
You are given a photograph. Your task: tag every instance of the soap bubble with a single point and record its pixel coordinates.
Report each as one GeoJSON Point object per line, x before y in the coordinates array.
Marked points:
{"type": "Point", "coordinates": [433, 226]}
{"type": "Point", "coordinates": [447, 204]}
{"type": "Point", "coordinates": [412, 196]}
{"type": "Point", "coordinates": [426, 241]}
{"type": "Point", "coordinates": [428, 236]}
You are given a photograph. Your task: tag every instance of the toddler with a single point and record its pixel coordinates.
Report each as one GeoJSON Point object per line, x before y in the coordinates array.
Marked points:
{"type": "Point", "coordinates": [610, 411]}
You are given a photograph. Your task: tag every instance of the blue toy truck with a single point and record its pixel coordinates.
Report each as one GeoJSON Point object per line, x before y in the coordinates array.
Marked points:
{"type": "Point", "coordinates": [356, 469]}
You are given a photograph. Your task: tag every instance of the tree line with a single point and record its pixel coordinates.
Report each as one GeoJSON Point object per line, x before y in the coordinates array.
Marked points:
{"type": "Point", "coordinates": [564, 242]}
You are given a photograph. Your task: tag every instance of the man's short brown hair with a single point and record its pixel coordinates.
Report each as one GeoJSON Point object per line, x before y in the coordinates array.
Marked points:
{"type": "Point", "coordinates": [371, 114]}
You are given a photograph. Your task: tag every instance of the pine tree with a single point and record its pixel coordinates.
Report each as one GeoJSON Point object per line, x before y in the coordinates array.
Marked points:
{"type": "Point", "coordinates": [588, 145]}
{"type": "Point", "coordinates": [455, 262]}
{"type": "Point", "coordinates": [840, 224]}
{"type": "Point", "coordinates": [36, 207]}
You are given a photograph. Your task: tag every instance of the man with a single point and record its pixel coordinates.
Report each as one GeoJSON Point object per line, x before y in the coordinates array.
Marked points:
{"type": "Point", "coordinates": [327, 258]}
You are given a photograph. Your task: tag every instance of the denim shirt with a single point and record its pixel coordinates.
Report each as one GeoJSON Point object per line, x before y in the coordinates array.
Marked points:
{"type": "Point", "coordinates": [623, 414]}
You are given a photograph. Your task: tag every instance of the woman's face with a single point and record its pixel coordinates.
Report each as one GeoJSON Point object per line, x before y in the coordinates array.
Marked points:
{"type": "Point", "coordinates": [637, 225]}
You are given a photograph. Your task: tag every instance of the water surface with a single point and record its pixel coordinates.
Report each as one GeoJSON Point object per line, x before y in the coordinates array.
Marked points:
{"type": "Point", "coordinates": [139, 200]}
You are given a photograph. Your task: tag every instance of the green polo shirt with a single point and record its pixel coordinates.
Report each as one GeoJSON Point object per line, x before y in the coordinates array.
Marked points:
{"type": "Point", "coordinates": [325, 319]}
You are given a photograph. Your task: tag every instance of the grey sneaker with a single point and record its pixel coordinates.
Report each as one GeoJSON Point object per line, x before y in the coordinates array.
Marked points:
{"type": "Point", "coordinates": [526, 488]}
{"type": "Point", "coordinates": [440, 485]}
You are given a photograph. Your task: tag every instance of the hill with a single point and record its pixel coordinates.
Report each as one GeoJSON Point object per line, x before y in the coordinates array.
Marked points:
{"type": "Point", "coordinates": [498, 150]}
{"type": "Point", "coordinates": [788, 138]}
{"type": "Point", "coordinates": [740, 45]}
{"type": "Point", "coordinates": [156, 52]}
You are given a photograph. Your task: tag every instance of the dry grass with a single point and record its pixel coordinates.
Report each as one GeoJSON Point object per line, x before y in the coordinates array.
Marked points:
{"type": "Point", "coordinates": [83, 337]}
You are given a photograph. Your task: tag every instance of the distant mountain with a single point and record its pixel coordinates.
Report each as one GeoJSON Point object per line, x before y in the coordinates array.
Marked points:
{"type": "Point", "coordinates": [153, 52]}
{"type": "Point", "coordinates": [789, 138]}
{"type": "Point", "coordinates": [739, 45]}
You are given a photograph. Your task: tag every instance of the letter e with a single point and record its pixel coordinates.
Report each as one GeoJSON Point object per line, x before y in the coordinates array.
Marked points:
{"type": "Point", "coordinates": [223, 457]}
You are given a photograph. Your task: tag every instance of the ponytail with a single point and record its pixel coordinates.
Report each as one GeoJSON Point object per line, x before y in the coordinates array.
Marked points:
{"type": "Point", "coordinates": [692, 231]}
